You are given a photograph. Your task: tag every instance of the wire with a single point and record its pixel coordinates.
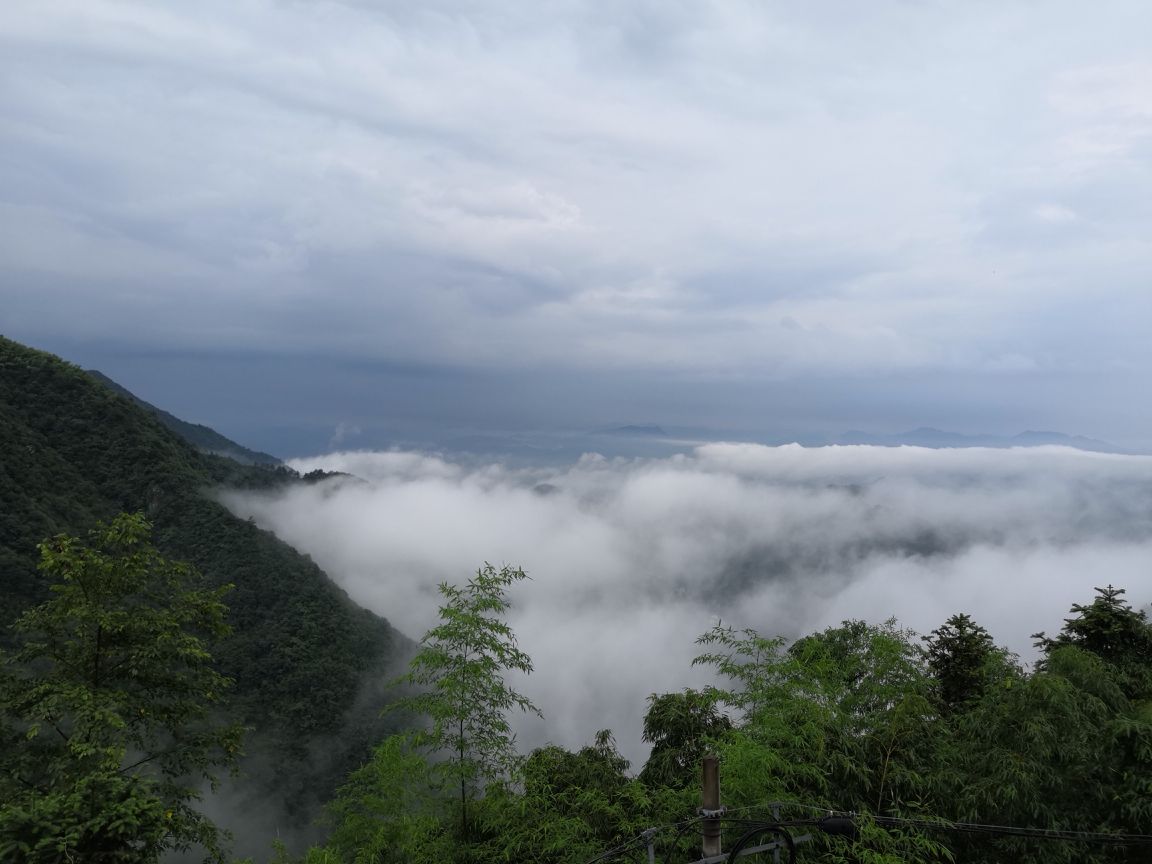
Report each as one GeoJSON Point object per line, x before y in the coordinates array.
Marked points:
{"type": "Point", "coordinates": [755, 832]}
{"type": "Point", "coordinates": [684, 826]}
{"type": "Point", "coordinates": [981, 828]}
{"type": "Point", "coordinates": [755, 827]}
{"type": "Point", "coordinates": [619, 850]}
{"type": "Point", "coordinates": [1015, 831]}
{"type": "Point", "coordinates": [965, 827]}
{"type": "Point", "coordinates": [642, 837]}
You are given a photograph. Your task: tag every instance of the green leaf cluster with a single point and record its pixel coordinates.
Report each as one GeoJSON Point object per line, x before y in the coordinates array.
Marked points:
{"type": "Point", "coordinates": [106, 706]}
{"type": "Point", "coordinates": [306, 660]}
{"type": "Point", "coordinates": [458, 675]}
{"type": "Point", "coordinates": [912, 734]}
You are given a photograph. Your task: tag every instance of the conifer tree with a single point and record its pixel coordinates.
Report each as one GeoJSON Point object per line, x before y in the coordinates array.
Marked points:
{"type": "Point", "coordinates": [1116, 633]}
{"type": "Point", "coordinates": [957, 653]}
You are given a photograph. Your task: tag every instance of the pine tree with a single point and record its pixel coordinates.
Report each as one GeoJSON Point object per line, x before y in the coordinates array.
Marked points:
{"type": "Point", "coordinates": [1116, 633]}
{"type": "Point", "coordinates": [958, 653]}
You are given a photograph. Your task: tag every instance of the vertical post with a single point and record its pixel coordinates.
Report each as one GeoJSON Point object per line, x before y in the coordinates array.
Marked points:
{"type": "Point", "coordinates": [710, 804]}
{"type": "Point", "coordinates": [776, 818]}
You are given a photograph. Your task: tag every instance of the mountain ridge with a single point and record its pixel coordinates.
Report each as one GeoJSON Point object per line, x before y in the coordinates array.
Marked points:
{"type": "Point", "coordinates": [307, 661]}
{"type": "Point", "coordinates": [203, 438]}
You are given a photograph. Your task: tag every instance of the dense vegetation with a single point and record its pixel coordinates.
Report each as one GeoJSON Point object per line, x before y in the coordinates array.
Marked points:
{"type": "Point", "coordinates": [203, 438]}
{"type": "Point", "coordinates": [303, 656]}
{"type": "Point", "coordinates": [109, 709]}
{"type": "Point", "coordinates": [938, 744]}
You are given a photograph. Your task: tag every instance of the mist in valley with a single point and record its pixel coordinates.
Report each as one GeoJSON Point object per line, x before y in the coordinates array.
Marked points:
{"type": "Point", "coordinates": [631, 559]}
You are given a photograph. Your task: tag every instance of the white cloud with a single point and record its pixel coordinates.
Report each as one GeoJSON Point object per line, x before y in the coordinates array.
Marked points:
{"type": "Point", "coordinates": [632, 559]}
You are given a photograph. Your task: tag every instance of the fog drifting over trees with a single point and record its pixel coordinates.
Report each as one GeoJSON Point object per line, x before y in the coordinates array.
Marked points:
{"type": "Point", "coordinates": [631, 560]}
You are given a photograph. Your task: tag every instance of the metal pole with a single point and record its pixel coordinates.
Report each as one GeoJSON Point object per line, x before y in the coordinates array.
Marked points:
{"type": "Point", "coordinates": [711, 805]}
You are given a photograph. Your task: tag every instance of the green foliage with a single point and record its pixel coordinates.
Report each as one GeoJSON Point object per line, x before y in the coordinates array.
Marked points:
{"type": "Point", "coordinates": [568, 807]}
{"type": "Point", "coordinates": [841, 718]}
{"type": "Point", "coordinates": [958, 654]}
{"type": "Point", "coordinates": [573, 806]}
{"type": "Point", "coordinates": [419, 797]}
{"type": "Point", "coordinates": [304, 657]}
{"type": "Point", "coordinates": [584, 797]}
{"type": "Point", "coordinates": [850, 718]}
{"type": "Point", "coordinates": [201, 437]}
{"type": "Point", "coordinates": [460, 669]}
{"type": "Point", "coordinates": [105, 706]}
{"type": "Point", "coordinates": [1058, 749]}
{"type": "Point", "coordinates": [680, 727]}
{"type": "Point", "coordinates": [391, 809]}
{"type": "Point", "coordinates": [841, 712]}
{"type": "Point", "coordinates": [1114, 632]}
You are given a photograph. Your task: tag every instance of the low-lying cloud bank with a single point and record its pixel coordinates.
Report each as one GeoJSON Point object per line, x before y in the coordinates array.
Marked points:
{"type": "Point", "coordinates": [632, 559]}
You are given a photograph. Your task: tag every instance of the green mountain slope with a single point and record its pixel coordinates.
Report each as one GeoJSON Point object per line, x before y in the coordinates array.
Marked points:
{"type": "Point", "coordinates": [304, 656]}
{"type": "Point", "coordinates": [203, 438]}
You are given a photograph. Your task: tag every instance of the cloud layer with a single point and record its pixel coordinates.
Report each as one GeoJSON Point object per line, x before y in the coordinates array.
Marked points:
{"type": "Point", "coordinates": [722, 187]}
{"type": "Point", "coordinates": [632, 559]}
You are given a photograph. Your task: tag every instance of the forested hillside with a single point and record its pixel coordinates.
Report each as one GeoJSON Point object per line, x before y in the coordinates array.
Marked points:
{"type": "Point", "coordinates": [203, 438]}
{"type": "Point", "coordinates": [304, 657]}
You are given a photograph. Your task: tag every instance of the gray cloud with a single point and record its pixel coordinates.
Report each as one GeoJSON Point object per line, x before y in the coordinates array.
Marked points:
{"type": "Point", "coordinates": [632, 559]}
{"type": "Point", "coordinates": [653, 186]}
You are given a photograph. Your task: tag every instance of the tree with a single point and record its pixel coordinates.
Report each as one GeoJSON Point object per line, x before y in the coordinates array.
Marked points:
{"type": "Point", "coordinates": [104, 708]}
{"type": "Point", "coordinates": [460, 668]}
{"type": "Point", "coordinates": [679, 727]}
{"type": "Point", "coordinates": [389, 811]}
{"type": "Point", "coordinates": [839, 719]}
{"type": "Point", "coordinates": [958, 653]}
{"type": "Point", "coordinates": [1114, 632]}
{"type": "Point", "coordinates": [1060, 749]}
{"type": "Point", "coordinates": [572, 806]}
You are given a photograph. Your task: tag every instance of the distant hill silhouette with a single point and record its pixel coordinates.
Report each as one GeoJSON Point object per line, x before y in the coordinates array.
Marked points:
{"type": "Point", "coordinates": [927, 436]}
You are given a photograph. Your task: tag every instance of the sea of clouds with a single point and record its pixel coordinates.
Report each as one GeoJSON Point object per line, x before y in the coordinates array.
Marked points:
{"type": "Point", "coordinates": [631, 559]}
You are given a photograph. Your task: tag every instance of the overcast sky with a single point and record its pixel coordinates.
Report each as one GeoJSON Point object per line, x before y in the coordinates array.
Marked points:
{"type": "Point", "coordinates": [272, 215]}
